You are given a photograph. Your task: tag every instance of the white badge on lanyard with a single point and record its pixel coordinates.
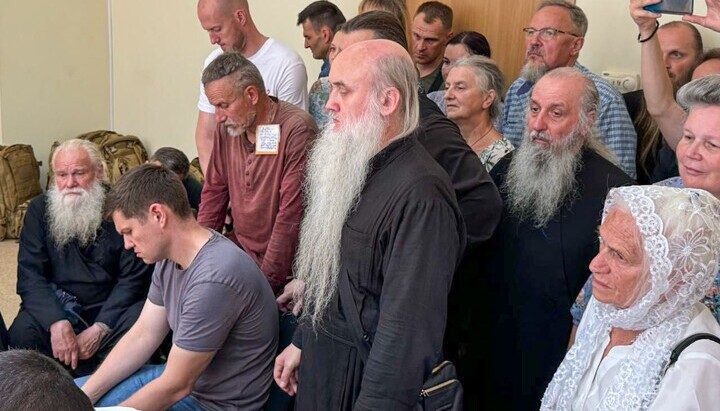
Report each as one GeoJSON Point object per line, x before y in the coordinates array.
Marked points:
{"type": "Point", "coordinates": [267, 139]}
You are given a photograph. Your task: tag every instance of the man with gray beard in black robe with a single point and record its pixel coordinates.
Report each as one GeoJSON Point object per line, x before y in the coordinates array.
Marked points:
{"type": "Point", "coordinates": [382, 213]}
{"type": "Point", "coordinates": [80, 289]}
{"type": "Point", "coordinates": [553, 187]}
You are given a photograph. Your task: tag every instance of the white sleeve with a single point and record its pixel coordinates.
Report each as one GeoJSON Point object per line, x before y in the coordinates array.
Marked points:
{"type": "Point", "coordinates": [203, 102]}
{"type": "Point", "coordinates": [690, 384]}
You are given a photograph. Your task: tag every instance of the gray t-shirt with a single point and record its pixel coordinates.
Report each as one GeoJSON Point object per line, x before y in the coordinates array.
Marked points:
{"type": "Point", "coordinates": [222, 302]}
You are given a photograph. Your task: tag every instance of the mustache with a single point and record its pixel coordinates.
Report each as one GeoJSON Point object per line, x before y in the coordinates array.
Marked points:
{"type": "Point", "coordinates": [539, 135]}
{"type": "Point", "coordinates": [73, 191]}
{"type": "Point", "coordinates": [535, 51]}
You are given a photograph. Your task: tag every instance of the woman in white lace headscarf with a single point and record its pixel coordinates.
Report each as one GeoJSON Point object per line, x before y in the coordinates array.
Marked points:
{"type": "Point", "coordinates": [658, 256]}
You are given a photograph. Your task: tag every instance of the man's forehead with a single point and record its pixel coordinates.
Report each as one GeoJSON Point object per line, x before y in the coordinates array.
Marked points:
{"type": "Point", "coordinates": [433, 29]}
{"type": "Point", "coordinates": [675, 36]}
{"type": "Point", "coordinates": [552, 16]}
{"type": "Point", "coordinates": [77, 158]}
{"type": "Point", "coordinates": [557, 91]}
{"type": "Point", "coordinates": [219, 89]}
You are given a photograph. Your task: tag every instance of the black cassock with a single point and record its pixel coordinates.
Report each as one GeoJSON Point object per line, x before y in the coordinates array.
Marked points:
{"type": "Point", "coordinates": [530, 279]}
{"type": "Point", "coordinates": [111, 283]}
{"type": "Point", "coordinates": [399, 249]}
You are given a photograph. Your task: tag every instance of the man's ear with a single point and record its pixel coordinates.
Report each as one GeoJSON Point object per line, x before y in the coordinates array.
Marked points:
{"type": "Point", "coordinates": [240, 16]}
{"type": "Point", "coordinates": [389, 101]}
{"type": "Point", "coordinates": [157, 213]}
{"type": "Point", "coordinates": [577, 46]}
{"type": "Point", "coordinates": [326, 35]}
{"type": "Point", "coordinates": [592, 116]}
{"type": "Point", "coordinates": [251, 93]}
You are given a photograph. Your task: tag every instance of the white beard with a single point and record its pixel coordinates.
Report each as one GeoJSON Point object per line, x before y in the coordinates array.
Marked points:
{"type": "Point", "coordinates": [541, 178]}
{"type": "Point", "coordinates": [75, 216]}
{"type": "Point", "coordinates": [336, 171]}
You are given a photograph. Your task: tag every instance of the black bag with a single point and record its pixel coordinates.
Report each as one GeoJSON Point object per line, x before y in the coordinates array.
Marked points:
{"type": "Point", "coordinates": [686, 343]}
{"type": "Point", "coordinates": [442, 389]}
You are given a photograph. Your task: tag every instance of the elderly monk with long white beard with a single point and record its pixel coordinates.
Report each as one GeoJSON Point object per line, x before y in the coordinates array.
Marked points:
{"type": "Point", "coordinates": [382, 221]}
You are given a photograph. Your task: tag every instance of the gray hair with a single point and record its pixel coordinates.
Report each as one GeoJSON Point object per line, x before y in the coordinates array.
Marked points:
{"type": "Point", "coordinates": [704, 91]}
{"type": "Point", "coordinates": [488, 76]}
{"type": "Point", "coordinates": [590, 98]}
{"type": "Point", "coordinates": [91, 149]}
{"type": "Point", "coordinates": [399, 72]}
{"type": "Point", "coordinates": [577, 15]}
{"type": "Point", "coordinates": [233, 64]}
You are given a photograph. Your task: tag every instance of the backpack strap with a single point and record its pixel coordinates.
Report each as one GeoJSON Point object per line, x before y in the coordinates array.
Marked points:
{"type": "Point", "coordinates": [686, 343]}
{"type": "Point", "coordinates": [362, 339]}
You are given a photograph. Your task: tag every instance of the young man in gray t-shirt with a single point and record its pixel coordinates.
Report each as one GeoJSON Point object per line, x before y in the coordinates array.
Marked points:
{"type": "Point", "coordinates": [213, 297]}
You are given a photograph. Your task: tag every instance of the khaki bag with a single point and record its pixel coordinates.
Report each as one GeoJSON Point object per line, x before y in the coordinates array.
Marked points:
{"type": "Point", "coordinates": [19, 181]}
{"type": "Point", "coordinates": [16, 219]}
{"type": "Point", "coordinates": [120, 152]}
{"type": "Point", "coordinates": [196, 171]}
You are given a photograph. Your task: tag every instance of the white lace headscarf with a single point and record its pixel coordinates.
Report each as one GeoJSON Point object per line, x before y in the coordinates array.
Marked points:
{"type": "Point", "coordinates": [681, 239]}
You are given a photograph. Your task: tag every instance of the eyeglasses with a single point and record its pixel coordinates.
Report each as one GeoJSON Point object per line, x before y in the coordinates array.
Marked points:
{"type": "Point", "coordinates": [545, 33]}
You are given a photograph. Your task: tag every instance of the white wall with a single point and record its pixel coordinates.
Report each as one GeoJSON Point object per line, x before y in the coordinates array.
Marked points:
{"type": "Point", "coordinates": [53, 71]}
{"type": "Point", "coordinates": [611, 43]}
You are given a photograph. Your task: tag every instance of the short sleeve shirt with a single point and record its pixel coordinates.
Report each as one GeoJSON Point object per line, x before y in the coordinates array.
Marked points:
{"type": "Point", "coordinates": [223, 303]}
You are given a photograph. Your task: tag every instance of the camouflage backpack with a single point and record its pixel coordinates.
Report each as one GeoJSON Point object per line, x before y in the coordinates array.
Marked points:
{"type": "Point", "coordinates": [19, 181]}
{"type": "Point", "coordinates": [120, 152]}
{"type": "Point", "coordinates": [196, 171]}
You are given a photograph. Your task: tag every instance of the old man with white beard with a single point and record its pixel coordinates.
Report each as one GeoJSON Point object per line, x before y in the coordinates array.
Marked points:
{"type": "Point", "coordinates": [553, 187]}
{"type": "Point", "coordinates": [381, 238]}
{"type": "Point", "coordinates": [80, 289]}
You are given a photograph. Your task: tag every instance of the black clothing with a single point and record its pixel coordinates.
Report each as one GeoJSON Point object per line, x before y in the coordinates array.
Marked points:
{"type": "Point", "coordinates": [532, 277]}
{"type": "Point", "coordinates": [399, 249]}
{"type": "Point", "coordinates": [661, 163]}
{"type": "Point", "coordinates": [3, 335]}
{"type": "Point", "coordinates": [476, 194]}
{"type": "Point", "coordinates": [106, 278]}
{"type": "Point", "coordinates": [193, 189]}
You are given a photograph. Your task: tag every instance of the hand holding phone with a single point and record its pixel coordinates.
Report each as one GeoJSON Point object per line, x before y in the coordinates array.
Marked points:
{"type": "Point", "coordinates": [711, 20]}
{"type": "Point", "coordinates": [671, 7]}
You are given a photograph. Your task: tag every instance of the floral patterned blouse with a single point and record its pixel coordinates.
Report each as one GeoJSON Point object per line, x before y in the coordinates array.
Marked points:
{"type": "Point", "coordinates": [711, 300]}
{"type": "Point", "coordinates": [494, 152]}
{"type": "Point", "coordinates": [318, 96]}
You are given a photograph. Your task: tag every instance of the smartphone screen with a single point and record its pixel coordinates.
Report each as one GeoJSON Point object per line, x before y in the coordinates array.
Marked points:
{"type": "Point", "coordinates": [672, 7]}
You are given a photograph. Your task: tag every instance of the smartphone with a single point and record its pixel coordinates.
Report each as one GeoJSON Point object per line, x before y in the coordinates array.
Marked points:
{"type": "Point", "coordinates": [671, 7]}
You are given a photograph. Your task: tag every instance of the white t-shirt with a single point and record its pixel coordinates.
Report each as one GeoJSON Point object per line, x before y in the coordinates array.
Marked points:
{"type": "Point", "coordinates": [282, 70]}
{"type": "Point", "coordinates": [690, 384]}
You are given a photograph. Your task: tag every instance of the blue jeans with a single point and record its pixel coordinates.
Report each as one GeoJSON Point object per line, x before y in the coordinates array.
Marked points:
{"type": "Point", "coordinates": [134, 383]}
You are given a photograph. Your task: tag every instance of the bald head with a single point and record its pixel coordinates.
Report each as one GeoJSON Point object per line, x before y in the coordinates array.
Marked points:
{"type": "Point", "coordinates": [228, 23]}
{"type": "Point", "coordinates": [391, 83]}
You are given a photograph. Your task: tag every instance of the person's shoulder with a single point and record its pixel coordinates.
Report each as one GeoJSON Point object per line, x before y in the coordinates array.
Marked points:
{"type": "Point", "coordinates": [283, 53]}
{"type": "Point", "coordinates": [702, 322]}
{"type": "Point", "coordinates": [221, 261]}
{"type": "Point", "coordinates": [297, 120]}
{"type": "Point", "coordinates": [596, 165]}
{"type": "Point", "coordinates": [213, 55]}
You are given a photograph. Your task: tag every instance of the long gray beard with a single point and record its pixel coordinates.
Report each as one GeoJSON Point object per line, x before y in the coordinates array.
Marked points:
{"type": "Point", "coordinates": [533, 72]}
{"type": "Point", "coordinates": [75, 217]}
{"type": "Point", "coordinates": [540, 179]}
{"type": "Point", "coordinates": [336, 172]}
